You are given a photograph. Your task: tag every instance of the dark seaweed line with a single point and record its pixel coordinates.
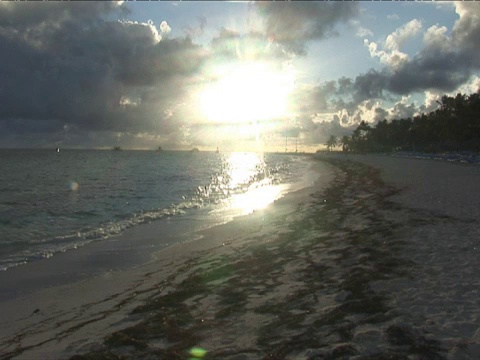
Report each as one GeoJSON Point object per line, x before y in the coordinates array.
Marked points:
{"type": "Point", "coordinates": [341, 260]}
{"type": "Point", "coordinates": [360, 300]}
{"type": "Point", "coordinates": [124, 301]}
{"type": "Point", "coordinates": [167, 317]}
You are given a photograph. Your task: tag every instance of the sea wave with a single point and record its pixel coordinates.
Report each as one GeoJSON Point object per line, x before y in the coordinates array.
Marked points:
{"type": "Point", "coordinates": [57, 221]}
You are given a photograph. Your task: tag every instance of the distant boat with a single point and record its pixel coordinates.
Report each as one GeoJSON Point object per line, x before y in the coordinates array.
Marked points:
{"type": "Point", "coordinates": [117, 148]}
{"type": "Point", "coordinates": [159, 148]}
{"type": "Point", "coordinates": [57, 149]}
{"type": "Point", "coordinates": [217, 150]}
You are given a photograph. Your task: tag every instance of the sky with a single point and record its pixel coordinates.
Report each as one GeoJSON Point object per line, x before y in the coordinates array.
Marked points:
{"type": "Point", "coordinates": [240, 76]}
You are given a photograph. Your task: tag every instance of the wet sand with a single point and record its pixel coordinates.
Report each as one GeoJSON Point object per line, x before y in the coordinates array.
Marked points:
{"type": "Point", "coordinates": [380, 264]}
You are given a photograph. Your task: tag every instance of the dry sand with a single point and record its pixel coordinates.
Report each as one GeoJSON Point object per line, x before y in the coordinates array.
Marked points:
{"type": "Point", "coordinates": [378, 265]}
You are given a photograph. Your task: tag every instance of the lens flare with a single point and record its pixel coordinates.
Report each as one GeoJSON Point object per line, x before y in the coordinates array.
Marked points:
{"type": "Point", "coordinates": [73, 185]}
{"type": "Point", "coordinates": [197, 353]}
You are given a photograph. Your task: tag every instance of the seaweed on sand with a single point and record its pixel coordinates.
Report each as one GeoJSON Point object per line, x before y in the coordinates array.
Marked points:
{"type": "Point", "coordinates": [309, 291]}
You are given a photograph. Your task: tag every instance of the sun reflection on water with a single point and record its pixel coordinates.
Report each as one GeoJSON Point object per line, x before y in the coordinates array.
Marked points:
{"type": "Point", "coordinates": [256, 199]}
{"type": "Point", "coordinates": [249, 171]}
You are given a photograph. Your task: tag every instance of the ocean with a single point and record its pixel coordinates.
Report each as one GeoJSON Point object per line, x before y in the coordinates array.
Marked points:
{"type": "Point", "coordinates": [55, 202]}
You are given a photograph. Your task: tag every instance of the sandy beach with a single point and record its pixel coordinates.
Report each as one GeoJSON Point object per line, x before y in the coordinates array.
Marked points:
{"type": "Point", "coordinates": [378, 260]}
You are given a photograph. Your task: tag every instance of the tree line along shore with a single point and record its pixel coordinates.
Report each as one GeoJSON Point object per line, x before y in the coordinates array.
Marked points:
{"type": "Point", "coordinates": [454, 126]}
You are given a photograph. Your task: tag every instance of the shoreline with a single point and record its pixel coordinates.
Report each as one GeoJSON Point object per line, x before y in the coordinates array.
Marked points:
{"type": "Point", "coordinates": [76, 208]}
{"type": "Point", "coordinates": [364, 267]}
{"type": "Point", "coordinates": [81, 303]}
{"type": "Point", "coordinates": [133, 247]}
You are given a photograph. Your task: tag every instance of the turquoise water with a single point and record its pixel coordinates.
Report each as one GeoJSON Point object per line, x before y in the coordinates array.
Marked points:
{"type": "Point", "coordinates": [51, 202]}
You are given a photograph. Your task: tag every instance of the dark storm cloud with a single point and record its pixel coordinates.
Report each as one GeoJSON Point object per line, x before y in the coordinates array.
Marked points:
{"type": "Point", "coordinates": [292, 24]}
{"type": "Point", "coordinates": [27, 14]}
{"type": "Point", "coordinates": [466, 32]}
{"type": "Point", "coordinates": [435, 68]}
{"type": "Point", "coordinates": [288, 26]}
{"type": "Point", "coordinates": [444, 72]}
{"type": "Point", "coordinates": [426, 71]}
{"type": "Point", "coordinates": [356, 100]}
{"type": "Point", "coordinates": [319, 132]}
{"type": "Point", "coordinates": [441, 71]}
{"type": "Point", "coordinates": [444, 63]}
{"type": "Point", "coordinates": [65, 63]}
{"type": "Point", "coordinates": [369, 86]}
{"type": "Point", "coordinates": [344, 93]}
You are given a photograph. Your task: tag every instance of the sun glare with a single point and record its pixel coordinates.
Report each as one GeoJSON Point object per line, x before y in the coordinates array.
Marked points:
{"type": "Point", "coordinates": [259, 193]}
{"type": "Point", "coordinates": [250, 92]}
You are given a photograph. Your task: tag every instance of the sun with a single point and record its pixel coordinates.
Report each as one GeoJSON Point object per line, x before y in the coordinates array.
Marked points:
{"type": "Point", "coordinates": [246, 93]}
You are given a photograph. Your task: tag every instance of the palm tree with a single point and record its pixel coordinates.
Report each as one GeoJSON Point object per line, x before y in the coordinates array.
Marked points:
{"type": "Point", "coordinates": [331, 142]}
{"type": "Point", "coordinates": [345, 142]}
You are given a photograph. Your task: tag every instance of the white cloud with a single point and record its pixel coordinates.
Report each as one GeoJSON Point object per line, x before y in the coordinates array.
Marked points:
{"type": "Point", "coordinates": [402, 109]}
{"type": "Point", "coordinates": [466, 30]}
{"type": "Point", "coordinates": [394, 58]}
{"type": "Point", "coordinates": [398, 38]}
{"type": "Point", "coordinates": [367, 110]}
{"type": "Point", "coordinates": [435, 37]}
{"type": "Point", "coordinates": [126, 102]}
{"type": "Point", "coordinates": [362, 32]}
{"type": "Point", "coordinates": [390, 54]}
{"type": "Point", "coordinates": [393, 17]}
{"type": "Point", "coordinates": [140, 29]}
{"type": "Point", "coordinates": [431, 98]}
{"type": "Point", "coordinates": [293, 24]}
{"type": "Point", "coordinates": [470, 87]}
{"type": "Point", "coordinates": [165, 28]}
